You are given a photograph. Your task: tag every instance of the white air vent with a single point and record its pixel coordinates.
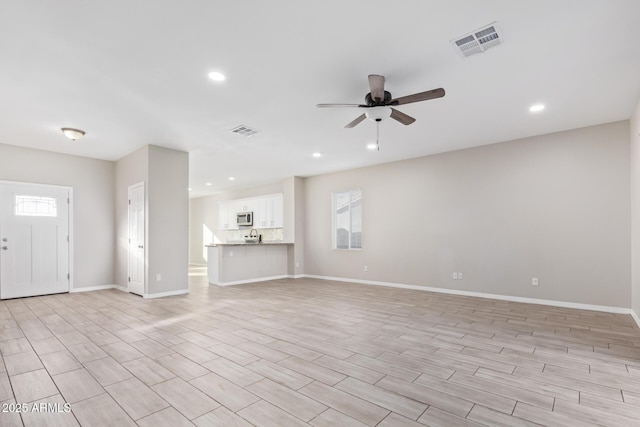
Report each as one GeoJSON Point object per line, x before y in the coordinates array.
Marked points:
{"type": "Point", "coordinates": [244, 131]}
{"type": "Point", "coordinates": [479, 40]}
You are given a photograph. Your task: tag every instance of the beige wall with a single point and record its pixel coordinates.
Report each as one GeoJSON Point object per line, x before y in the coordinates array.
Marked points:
{"type": "Point", "coordinates": [165, 173]}
{"type": "Point", "coordinates": [634, 128]}
{"type": "Point", "coordinates": [556, 207]}
{"type": "Point", "coordinates": [296, 252]}
{"type": "Point", "coordinates": [203, 217]}
{"type": "Point", "coordinates": [130, 170]}
{"type": "Point", "coordinates": [93, 214]}
{"type": "Point", "coordinates": [168, 220]}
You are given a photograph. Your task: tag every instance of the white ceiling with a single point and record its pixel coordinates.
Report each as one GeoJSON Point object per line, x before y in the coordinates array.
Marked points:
{"type": "Point", "coordinates": [132, 73]}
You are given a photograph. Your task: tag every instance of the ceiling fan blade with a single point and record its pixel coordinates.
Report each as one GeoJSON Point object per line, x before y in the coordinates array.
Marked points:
{"type": "Point", "coordinates": [401, 117]}
{"type": "Point", "coordinates": [417, 97]}
{"type": "Point", "coordinates": [340, 105]}
{"type": "Point", "coordinates": [358, 119]}
{"type": "Point", "coordinates": [376, 84]}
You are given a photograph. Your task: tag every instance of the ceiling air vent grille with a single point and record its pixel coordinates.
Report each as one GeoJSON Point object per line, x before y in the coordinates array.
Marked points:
{"type": "Point", "coordinates": [244, 131]}
{"type": "Point", "coordinates": [479, 40]}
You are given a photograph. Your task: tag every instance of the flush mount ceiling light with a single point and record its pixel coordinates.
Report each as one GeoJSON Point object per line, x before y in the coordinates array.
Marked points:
{"type": "Point", "coordinates": [536, 108]}
{"type": "Point", "coordinates": [232, 178]}
{"type": "Point", "coordinates": [208, 184]}
{"type": "Point", "coordinates": [372, 146]}
{"type": "Point", "coordinates": [217, 76]}
{"type": "Point", "coordinates": [73, 134]}
{"type": "Point", "coordinates": [317, 155]}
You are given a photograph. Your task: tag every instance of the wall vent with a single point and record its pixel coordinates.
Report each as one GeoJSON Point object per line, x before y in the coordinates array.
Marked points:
{"type": "Point", "coordinates": [244, 131]}
{"type": "Point", "coordinates": [479, 40]}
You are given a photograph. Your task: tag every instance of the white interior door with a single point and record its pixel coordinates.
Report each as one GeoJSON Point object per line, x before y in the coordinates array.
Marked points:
{"type": "Point", "coordinates": [136, 239]}
{"type": "Point", "coordinates": [34, 240]}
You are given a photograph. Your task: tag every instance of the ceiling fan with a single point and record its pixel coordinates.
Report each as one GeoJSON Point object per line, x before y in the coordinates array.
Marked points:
{"type": "Point", "coordinates": [379, 103]}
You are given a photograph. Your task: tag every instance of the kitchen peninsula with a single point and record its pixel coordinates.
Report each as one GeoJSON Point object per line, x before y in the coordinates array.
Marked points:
{"type": "Point", "coordinates": [238, 263]}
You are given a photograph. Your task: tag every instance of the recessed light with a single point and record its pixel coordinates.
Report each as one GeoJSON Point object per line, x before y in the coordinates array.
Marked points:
{"type": "Point", "coordinates": [217, 76]}
{"type": "Point", "coordinates": [536, 108]}
{"type": "Point", "coordinates": [317, 155]}
{"type": "Point", "coordinates": [208, 184]}
{"type": "Point", "coordinates": [372, 146]}
{"type": "Point", "coordinates": [231, 178]}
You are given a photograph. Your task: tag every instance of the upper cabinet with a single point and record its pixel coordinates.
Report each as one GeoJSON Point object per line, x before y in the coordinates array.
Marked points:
{"type": "Point", "coordinates": [227, 212]}
{"type": "Point", "coordinates": [245, 205]}
{"type": "Point", "coordinates": [268, 212]}
{"type": "Point", "coordinates": [277, 220]}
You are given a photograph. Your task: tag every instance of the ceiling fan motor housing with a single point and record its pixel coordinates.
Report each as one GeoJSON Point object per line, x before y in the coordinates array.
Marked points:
{"type": "Point", "coordinates": [372, 102]}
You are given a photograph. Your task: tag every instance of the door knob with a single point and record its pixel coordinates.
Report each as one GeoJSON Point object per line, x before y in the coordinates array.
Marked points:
{"type": "Point", "coordinates": [4, 239]}
{"type": "Point", "coordinates": [4, 248]}
{"type": "Point", "coordinates": [140, 246]}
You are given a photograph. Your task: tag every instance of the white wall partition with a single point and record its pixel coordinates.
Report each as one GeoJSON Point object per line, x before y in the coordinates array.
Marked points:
{"type": "Point", "coordinates": [165, 173]}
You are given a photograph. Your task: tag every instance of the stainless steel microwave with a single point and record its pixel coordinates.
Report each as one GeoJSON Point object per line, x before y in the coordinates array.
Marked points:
{"type": "Point", "coordinates": [245, 218]}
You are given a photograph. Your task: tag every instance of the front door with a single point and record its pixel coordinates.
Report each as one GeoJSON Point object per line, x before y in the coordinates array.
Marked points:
{"type": "Point", "coordinates": [136, 239]}
{"type": "Point", "coordinates": [34, 240]}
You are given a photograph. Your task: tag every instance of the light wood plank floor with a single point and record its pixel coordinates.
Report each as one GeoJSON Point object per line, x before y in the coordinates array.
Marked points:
{"type": "Point", "coordinates": [310, 352]}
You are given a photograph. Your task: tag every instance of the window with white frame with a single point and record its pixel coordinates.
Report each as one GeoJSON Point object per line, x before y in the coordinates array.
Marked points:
{"type": "Point", "coordinates": [347, 219]}
{"type": "Point", "coordinates": [27, 205]}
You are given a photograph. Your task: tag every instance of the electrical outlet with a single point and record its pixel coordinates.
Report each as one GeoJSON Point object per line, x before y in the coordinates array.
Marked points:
{"type": "Point", "coordinates": [455, 276]}
{"type": "Point", "coordinates": [230, 253]}
{"type": "Point", "coordinates": [459, 276]}
{"type": "Point", "coordinates": [366, 268]}
{"type": "Point", "coordinates": [534, 281]}
{"type": "Point", "coordinates": [297, 264]}
{"type": "Point", "coordinates": [158, 277]}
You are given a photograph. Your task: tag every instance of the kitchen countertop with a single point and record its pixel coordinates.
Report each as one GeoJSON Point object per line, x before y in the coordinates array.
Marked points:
{"type": "Point", "coordinates": [239, 243]}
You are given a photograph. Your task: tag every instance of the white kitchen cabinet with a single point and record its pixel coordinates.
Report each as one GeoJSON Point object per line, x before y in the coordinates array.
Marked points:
{"type": "Point", "coordinates": [245, 205]}
{"type": "Point", "coordinates": [269, 212]}
{"type": "Point", "coordinates": [262, 213]}
{"type": "Point", "coordinates": [227, 215]}
{"type": "Point", "coordinates": [277, 218]}
{"type": "Point", "coordinates": [223, 217]}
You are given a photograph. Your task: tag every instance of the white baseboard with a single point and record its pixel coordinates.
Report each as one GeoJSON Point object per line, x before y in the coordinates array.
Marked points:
{"type": "Point", "coordinates": [166, 294]}
{"type": "Point", "coordinates": [92, 288]}
{"type": "Point", "coordinates": [124, 289]}
{"type": "Point", "coordinates": [296, 276]}
{"type": "Point", "coordinates": [564, 304]}
{"type": "Point", "coordinates": [635, 317]}
{"type": "Point", "coordinates": [244, 282]}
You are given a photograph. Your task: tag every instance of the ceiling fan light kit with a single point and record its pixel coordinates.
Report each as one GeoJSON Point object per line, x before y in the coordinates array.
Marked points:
{"type": "Point", "coordinates": [377, 114]}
